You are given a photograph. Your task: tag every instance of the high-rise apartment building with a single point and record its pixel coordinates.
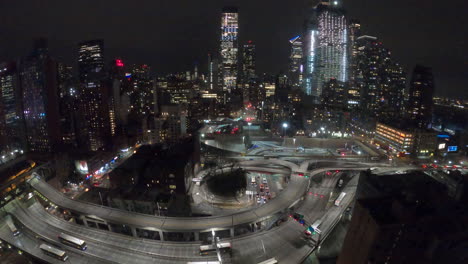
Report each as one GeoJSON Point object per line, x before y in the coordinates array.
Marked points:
{"type": "Point", "coordinates": [229, 48]}
{"type": "Point", "coordinates": [380, 80]}
{"type": "Point", "coordinates": [38, 78]}
{"type": "Point", "coordinates": [420, 102]}
{"type": "Point", "coordinates": [326, 49]}
{"type": "Point", "coordinates": [94, 106]}
{"type": "Point", "coordinates": [296, 67]}
{"type": "Point", "coordinates": [142, 94]}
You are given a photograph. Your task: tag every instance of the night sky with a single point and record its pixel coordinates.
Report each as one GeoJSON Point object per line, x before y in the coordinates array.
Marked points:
{"type": "Point", "coordinates": [171, 35]}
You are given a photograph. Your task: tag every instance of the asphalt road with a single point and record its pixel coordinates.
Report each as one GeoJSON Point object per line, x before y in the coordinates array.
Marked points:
{"type": "Point", "coordinates": [286, 243]}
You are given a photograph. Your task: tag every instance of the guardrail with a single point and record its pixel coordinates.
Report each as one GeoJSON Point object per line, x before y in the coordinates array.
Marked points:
{"type": "Point", "coordinates": [329, 230]}
{"type": "Point", "coordinates": [28, 231]}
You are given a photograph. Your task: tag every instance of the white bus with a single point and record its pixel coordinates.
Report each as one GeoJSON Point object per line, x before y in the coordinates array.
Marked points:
{"type": "Point", "coordinates": [224, 247]}
{"type": "Point", "coordinates": [12, 227]}
{"type": "Point", "coordinates": [269, 261]}
{"type": "Point", "coordinates": [54, 252]}
{"type": "Point", "coordinates": [72, 241]}
{"type": "Point", "coordinates": [253, 180]}
{"type": "Point", "coordinates": [316, 224]}
{"type": "Point", "coordinates": [339, 199]}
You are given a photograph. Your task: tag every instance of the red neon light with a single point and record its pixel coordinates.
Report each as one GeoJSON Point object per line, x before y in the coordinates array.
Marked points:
{"type": "Point", "coordinates": [119, 63]}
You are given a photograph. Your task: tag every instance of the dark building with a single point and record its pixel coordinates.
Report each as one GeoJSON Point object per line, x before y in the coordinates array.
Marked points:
{"type": "Point", "coordinates": [212, 73]}
{"type": "Point", "coordinates": [11, 116]}
{"type": "Point", "coordinates": [95, 109]}
{"type": "Point", "coordinates": [354, 93]}
{"type": "Point", "coordinates": [248, 62]}
{"type": "Point", "coordinates": [38, 77]}
{"type": "Point", "coordinates": [68, 108]}
{"type": "Point", "coordinates": [405, 218]}
{"type": "Point", "coordinates": [421, 91]}
{"type": "Point", "coordinates": [164, 173]}
{"type": "Point", "coordinates": [334, 95]}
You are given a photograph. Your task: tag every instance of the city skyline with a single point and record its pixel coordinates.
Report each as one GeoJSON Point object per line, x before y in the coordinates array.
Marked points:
{"type": "Point", "coordinates": [117, 27]}
{"type": "Point", "coordinates": [233, 132]}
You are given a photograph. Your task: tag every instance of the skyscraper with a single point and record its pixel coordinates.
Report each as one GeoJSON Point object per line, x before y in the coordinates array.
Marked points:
{"type": "Point", "coordinates": [142, 93]}
{"type": "Point", "coordinates": [380, 79]}
{"type": "Point", "coordinates": [68, 95]}
{"type": "Point", "coordinates": [95, 121]}
{"type": "Point", "coordinates": [326, 48]}
{"type": "Point", "coordinates": [38, 77]}
{"type": "Point", "coordinates": [295, 61]}
{"type": "Point", "coordinates": [229, 48]}
{"type": "Point", "coordinates": [420, 102]}
{"type": "Point", "coordinates": [248, 62]}
{"type": "Point", "coordinates": [11, 117]}
{"type": "Point", "coordinates": [353, 87]}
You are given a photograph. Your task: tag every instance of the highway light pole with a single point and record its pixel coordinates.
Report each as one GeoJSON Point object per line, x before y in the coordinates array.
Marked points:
{"type": "Point", "coordinates": [285, 126]}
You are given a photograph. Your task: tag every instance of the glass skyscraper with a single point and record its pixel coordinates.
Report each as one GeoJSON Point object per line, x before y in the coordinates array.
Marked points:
{"type": "Point", "coordinates": [38, 78]}
{"type": "Point", "coordinates": [295, 61]}
{"type": "Point", "coordinates": [229, 48]}
{"type": "Point", "coordinates": [326, 47]}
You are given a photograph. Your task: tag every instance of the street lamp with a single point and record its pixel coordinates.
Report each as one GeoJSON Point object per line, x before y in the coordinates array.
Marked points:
{"type": "Point", "coordinates": [285, 126]}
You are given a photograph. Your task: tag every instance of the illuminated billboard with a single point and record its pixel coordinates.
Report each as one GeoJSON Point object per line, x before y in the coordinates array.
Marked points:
{"type": "Point", "coordinates": [441, 145]}
{"type": "Point", "coordinates": [452, 148]}
{"type": "Point", "coordinates": [81, 166]}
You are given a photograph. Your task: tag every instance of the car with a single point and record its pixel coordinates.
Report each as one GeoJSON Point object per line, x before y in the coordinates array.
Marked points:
{"type": "Point", "coordinates": [265, 180]}
{"type": "Point", "coordinates": [258, 200]}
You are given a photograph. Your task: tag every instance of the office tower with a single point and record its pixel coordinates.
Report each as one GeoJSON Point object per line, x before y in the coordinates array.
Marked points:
{"type": "Point", "coordinates": [38, 78]}
{"type": "Point", "coordinates": [381, 81]}
{"type": "Point", "coordinates": [141, 93]}
{"type": "Point", "coordinates": [353, 87]}
{"type": "Point", "coordinates": [94, 108]}
{"type": "Point", "coordinates": [248, 75]}
{"type": "Point", "coordinates": [178, 89]}
{"type": "Point", "coordinates": [421, 91]}
{"type": "Point", "coordinates": [229, 48]}
{"type": "Point", "coordinates": [68, 108]}
{"type": "Point", "coordinates": [120, 85]}
{"type": "Point", "coordinates": [248, 62]}
{"type": "Point", "coordinates": [326, 47]}
{"type": "Point", "coordinates": [11, 117]}
{"type": "Point", "coordinates": [295, 62]}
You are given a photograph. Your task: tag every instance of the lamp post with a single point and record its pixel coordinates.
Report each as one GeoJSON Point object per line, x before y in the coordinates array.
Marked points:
{"type": "Point", "coordinates": [285, 126]}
